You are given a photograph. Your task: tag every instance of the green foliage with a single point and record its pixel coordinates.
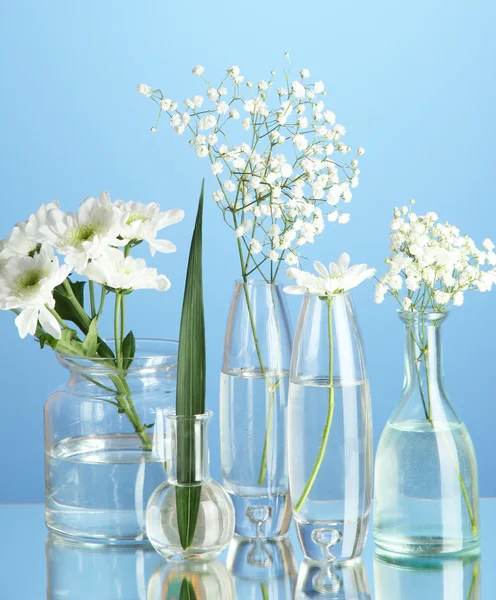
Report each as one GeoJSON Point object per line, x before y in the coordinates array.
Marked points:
{"type": "Point", "coordinates": [191, 380]}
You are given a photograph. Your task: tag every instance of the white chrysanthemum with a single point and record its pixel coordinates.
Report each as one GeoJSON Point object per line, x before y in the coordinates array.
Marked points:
{"type": "Point", "coordinates": [115, 270]}
{"type": "Point", "coordinates": [85, 235]}
{"type": "Point", "coordinates": [338, 279]}
{"type": "Point", "coordinates": [142, 222]}
{"type": "Point", "coordinates": [27, 284]}
{"type": "Point", "coordinates": [26, 237]}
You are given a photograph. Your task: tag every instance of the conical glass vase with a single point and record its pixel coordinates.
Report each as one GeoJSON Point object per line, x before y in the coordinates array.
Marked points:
{"type": "Point", "coordinates": [253, 409]}
{"type": "Point", "coordinates": [426, 489]}
{"type": "Point", "coordinates": [330, 431]}
{"type": "Point", "coordinates": [210, 527]}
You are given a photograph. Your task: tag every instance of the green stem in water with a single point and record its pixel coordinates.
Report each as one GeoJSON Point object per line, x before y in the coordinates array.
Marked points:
{"type": "Point", "coordinates": [330, 414]}
{"type": "Point", "coordinates": [463, 487]}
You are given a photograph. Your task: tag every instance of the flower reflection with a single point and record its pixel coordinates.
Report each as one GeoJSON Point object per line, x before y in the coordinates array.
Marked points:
{"type": "Point", "coordinates": [97, 572]}
{"type": "Point", "coordinates": [264, 569]}
{"type": "Point", "coordinates": [191, 580]}
{"type": "Point", "coordinates": [430, 578]}
{"type": "Point", "coordinates": [339, 581]}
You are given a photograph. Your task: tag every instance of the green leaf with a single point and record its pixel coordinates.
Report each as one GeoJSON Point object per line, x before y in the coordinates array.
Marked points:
{"type": "Point", "coordinates": [65, 307]}
{"type": "Point", "coordinates": [187, 590]}
{"type": "Point", "coordinates": [66, 344]}
{"type": "Point", "coordinates": [90, 344]}
{"type": "Point", "coordinates": [128, 350]}
{"type": "Point", "coordinates": [191, 380]}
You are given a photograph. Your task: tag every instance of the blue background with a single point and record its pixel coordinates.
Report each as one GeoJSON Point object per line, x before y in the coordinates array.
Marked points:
{"type": "Point", "coordinates": [412, 82]}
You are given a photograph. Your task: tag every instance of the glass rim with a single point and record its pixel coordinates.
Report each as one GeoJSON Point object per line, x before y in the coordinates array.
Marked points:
{"type": "Point", "coordinates": [166, 349]}
{"type": "Point", "coordinates": [341, 294]}
{"type": "Point", "coordinates": [408, 316]}
{"type": "Point", "coordinates": [170, 413]}
{"type": "Point", "coordinates": [258, 281]}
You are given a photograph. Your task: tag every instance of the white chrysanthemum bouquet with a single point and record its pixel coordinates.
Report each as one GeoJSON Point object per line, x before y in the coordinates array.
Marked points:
{"type": "Point", "coordinates": [52, 261]}
{"type": "Point", "coordinates": [285, 170]}
{"type": "Point", "coordinates": [432, 264]}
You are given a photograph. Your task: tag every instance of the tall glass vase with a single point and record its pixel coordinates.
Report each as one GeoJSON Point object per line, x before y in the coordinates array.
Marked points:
{"type": "Point", "coordinates": [330, 431]}
{"type": "Point", "coordinates": [253, 409]}
{"type": "Point", "coordinates": [426, 488]}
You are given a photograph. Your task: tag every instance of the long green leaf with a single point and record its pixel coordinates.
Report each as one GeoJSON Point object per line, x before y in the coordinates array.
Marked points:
{"type": "Point", "coordinates": [191, 380]}
{"type": "Point", "coordinates": [187, 590]}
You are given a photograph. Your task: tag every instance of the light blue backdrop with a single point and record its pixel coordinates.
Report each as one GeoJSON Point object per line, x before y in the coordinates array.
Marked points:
{"type": "Point", "coordinates": [412, 82]}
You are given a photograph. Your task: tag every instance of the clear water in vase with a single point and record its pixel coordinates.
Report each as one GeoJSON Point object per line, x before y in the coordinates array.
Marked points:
{"type": "Point", "coordinates": [101, 484]}
{"type": "Point", "coordinates": [337, 503]}
{"type": "Point", "coordinates": [424, 472]}
{"type": "Point", "coordinates": [253, 418]}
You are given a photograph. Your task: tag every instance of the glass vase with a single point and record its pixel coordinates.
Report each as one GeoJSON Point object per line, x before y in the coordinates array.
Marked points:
{"type": "Point", "coordinates": [99, 465]}
{"type": "Point", "coordinates": [191, 580]}
{"type": "Point", "coordinates": [214, 525]}
{"type": "Point", "coordinates": [84, 571]}
{"type": "Point", "coordinates": [263, 568]}
{"type": "Point", "coordinates": [426, 490]}
{"type": "Point", "coordinates": [338, 581]}
{"type": "Point", "coordinates": [431, 578]}
{"type": "Point", "coordinates": [253, 409]}
{"type": "Point", "coordinates": [330, 431]}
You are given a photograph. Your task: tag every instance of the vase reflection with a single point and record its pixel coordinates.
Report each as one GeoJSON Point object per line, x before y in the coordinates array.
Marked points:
{"type": "Point", "coordinates": [84, 571]}
{"type": "Point", "coordinates": [400, 576]}
{"type": "Point", "coordinates": [336, 581]}
{"type": "Point", "coordinates": [191, 580]}
{"type": "Point", "coordinates": [263, 569]}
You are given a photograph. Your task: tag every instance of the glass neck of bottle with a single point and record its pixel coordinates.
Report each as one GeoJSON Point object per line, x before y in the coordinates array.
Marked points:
{"type": "Point", "coordinates": [189, 459]}
{"type": "Point", "coordinates": [424, 376]}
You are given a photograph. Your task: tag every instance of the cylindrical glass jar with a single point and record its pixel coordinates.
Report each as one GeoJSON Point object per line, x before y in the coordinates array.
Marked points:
{"type": "Point", "coordinates": [253, 409]}
{"type": "Point", "coordinates": [83, 571]}
{"type": "Point", "coordinates": [214, 519]}
{"type": "Point", "coordinates": [99, 465]}
{"type": "Point", "coordinates": [426, 484]}
{"type": "Point", "coordinates": [330, 431]}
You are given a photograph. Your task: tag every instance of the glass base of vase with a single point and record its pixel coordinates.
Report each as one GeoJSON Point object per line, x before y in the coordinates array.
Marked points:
{"type": "Point", "coordinates": [336, 541]}
{"type": "Point", "coordinates": [265, 517]}
{"type": "Point", "coordinates": [418, 545]}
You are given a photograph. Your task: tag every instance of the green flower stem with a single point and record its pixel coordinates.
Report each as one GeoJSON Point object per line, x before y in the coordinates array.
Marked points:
{"type": "Point", "coordinates": [424, 355]}
{"type": "Point", "coordinates": [330, 414]}
{"type": "Point", "coordinates": [117, 335]}
{"type": "Point", "coordinates": [124, 395]}
{"type": "Point", "coordinates": [91, 286]}
{"type": "Point", "coordinates": [79, 309]}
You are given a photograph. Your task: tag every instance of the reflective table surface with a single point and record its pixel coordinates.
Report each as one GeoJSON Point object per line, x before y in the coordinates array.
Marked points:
{"type": "Point", "coordinates": [34, 566]}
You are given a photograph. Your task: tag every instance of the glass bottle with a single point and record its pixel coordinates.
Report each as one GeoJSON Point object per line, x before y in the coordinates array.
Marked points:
{"type": "Point", "coordinates": [263, 568]}
{"type": "Point", "coordinates": [429, 578]}
{"type": "Point", "coordinates": [100, 470]}
{"type": "Point", "coordinates": [215, 522]}
{"type": "Point", "coordinates": [253, 409]}
{"type": "Point", "coordinates": [330, 431]}
{"type": "Point", "coordinates": [426, 490]}
{"type": "Point", "coordinates": [334, 581]}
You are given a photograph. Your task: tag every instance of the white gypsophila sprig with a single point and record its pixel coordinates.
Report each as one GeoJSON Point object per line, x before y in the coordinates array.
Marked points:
{"type": "Point", "coordinates": [283, 174]}
{"type": "Point", "coordinates": [338, 279]}
{"type": "Point", "coordinates": [26, 287]}
{"type": "Point", "coordinates": [118, 272]}
{"type": "Point", "coordinates": [432, 264]}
